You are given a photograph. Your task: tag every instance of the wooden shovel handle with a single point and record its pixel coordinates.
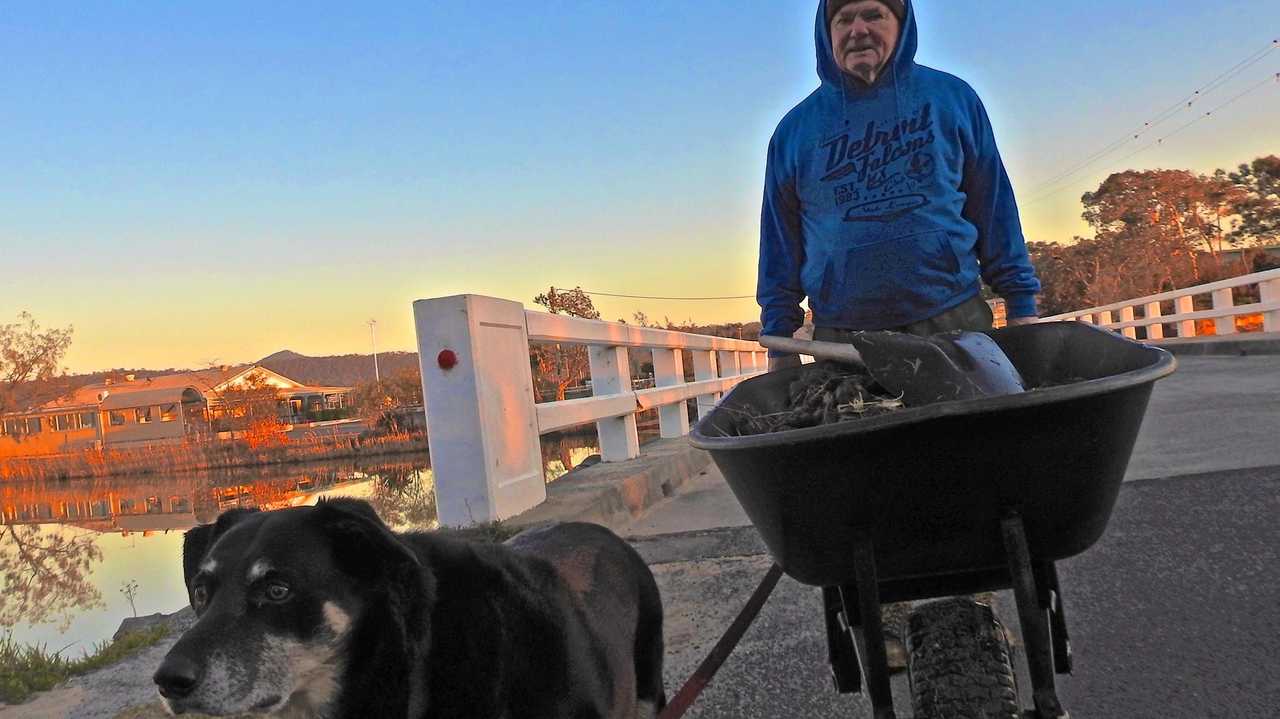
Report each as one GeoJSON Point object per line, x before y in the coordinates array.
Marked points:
{"type": "Point", "coordinates": [820, 350]}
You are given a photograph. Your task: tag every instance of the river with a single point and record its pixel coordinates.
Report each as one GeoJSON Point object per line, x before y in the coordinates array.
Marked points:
{"type": "Point", "coordinates": [78, 556]}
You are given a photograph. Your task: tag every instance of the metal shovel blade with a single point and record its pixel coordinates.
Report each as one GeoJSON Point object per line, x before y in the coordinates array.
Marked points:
{"type": "Point", "coordinates": [937, 368]}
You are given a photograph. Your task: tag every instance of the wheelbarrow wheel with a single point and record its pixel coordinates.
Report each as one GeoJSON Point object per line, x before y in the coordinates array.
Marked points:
{"type": "Point", "coordinates": [959, 663]}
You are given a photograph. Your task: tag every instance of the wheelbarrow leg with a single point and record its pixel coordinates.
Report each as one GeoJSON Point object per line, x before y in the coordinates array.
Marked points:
{"type": "Point", "coordinates": [1051, 600]}
{"type": "Point", "coordinates": [875, 664]}
{"type": "Point", "coordinates": [840, 647]}
{"type": "Point", "coordinates": [1033, 619]}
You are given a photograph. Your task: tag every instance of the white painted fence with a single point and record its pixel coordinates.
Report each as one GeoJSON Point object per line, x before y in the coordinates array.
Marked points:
{"type": "Point", "coordinates": [1126, 317]}
{"type": "Point", "coordinates": [483, 424]}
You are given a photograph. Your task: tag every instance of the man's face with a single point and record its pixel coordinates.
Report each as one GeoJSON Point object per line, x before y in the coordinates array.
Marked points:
{"type": "Point", "coordinates": [863, 37]}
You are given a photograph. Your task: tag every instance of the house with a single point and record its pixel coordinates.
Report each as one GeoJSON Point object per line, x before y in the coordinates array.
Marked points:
{"type": "Point", "coordinates": [158, 410]}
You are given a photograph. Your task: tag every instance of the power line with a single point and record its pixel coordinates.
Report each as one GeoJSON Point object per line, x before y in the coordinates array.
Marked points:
{"type": "Point", "coordinates": [1275, 78]}
{"type": "Point", "coordinates": [1161, 117]}
{"type": "Point", "coordinates": [647, 297]}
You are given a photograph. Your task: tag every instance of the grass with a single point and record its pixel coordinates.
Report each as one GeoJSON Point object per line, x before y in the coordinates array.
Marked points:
{"type": "Point", "coordinates": [25, 670]}
{"type": "Point", "coordinates": [494, 532]}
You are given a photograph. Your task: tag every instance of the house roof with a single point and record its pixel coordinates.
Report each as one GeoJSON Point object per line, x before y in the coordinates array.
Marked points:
{"type": "Point", "coordinates": [164, 389]}
{"type": "Point", "coordinates": [145, 398]}
{"type": "Point", "coordinates": [90, 394]}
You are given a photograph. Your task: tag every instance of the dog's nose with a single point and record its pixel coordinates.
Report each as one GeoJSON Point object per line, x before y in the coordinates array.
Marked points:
{"type": "Point", "coordinates": [176, 677]}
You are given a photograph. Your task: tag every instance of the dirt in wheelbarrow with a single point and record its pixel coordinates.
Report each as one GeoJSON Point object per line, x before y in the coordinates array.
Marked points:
{"type": "Point", "coordinates": [829, 394]}
{"type": "Point", "coordinates": [822, 395]}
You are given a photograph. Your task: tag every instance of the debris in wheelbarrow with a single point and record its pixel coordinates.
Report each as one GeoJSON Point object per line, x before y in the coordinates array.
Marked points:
{"type": "Point", "coordinates": [824, 393]}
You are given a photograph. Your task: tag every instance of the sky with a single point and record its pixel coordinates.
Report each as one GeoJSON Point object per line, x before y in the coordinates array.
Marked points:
{"type": "Point", "coordinates": [197, 183]}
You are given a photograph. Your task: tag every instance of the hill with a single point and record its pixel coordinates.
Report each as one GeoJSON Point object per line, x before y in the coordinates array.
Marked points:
{"type": "Point", "coordinates": [338, 370]}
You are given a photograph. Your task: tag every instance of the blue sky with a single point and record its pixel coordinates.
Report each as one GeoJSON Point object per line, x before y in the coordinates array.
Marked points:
{"type": "Point", "coordinates": [187, 183]}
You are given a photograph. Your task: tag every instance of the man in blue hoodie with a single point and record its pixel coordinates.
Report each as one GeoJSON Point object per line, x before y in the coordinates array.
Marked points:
{"type": "Point", "coordinates": [886, 203]}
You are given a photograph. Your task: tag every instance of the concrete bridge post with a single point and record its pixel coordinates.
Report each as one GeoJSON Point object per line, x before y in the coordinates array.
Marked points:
{"type": "Point", "coordinates": [611, 374]}
{"type": "Point", "coordinates": [668, 371]}
{"type": "Point", "coordinates": [1126, 315]}
{"type": "Point", "coordinates": [704, 368]}
{"type": "Point", "coordinates": [1222, 300]}
{"type": "Point", "coordinates": [484, 439]}
{"type": "Point", "coordinates": [1154, 331]}
{"type": "Point", "coordinates": [1270, 292]}
{"type": "Point", "coordinates": [1184, 306]}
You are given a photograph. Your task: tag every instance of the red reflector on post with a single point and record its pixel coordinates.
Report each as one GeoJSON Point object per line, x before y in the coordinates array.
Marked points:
{"type": "Point", "coordinates": [447, 359]}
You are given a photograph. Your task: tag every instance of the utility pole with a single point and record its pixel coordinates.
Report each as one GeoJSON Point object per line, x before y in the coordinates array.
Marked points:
{"type": "Point", "coordinates": [373, 341]}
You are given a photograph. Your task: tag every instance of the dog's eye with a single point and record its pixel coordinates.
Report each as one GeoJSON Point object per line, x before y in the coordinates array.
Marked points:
{"type": "Point", "coordinates": [199, 596]}
{"type": "Point", "coordinates": [277, 592]}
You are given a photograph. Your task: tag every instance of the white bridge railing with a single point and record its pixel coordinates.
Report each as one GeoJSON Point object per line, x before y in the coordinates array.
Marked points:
{"type": "Point", "coordinates": [1126, 317]}
{"type": "Point", "coordinates": [483, 424]}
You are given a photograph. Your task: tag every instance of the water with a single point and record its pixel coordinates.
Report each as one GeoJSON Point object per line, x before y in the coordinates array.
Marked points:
{"type": "Point", "coordinates": [78, 556]}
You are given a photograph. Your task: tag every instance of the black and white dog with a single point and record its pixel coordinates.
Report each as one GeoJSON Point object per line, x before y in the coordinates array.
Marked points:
{"type": "Point", "coordinates": [324, 611]}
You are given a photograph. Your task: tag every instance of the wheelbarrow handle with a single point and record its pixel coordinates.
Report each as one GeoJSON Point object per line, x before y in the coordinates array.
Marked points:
{"type": "Point", "coordinates": [820, 350]}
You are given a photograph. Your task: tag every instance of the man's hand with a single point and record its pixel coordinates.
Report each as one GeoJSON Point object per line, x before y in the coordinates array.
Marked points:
{"type": "Point", "coordinates": [784, 362]}
{"type": "Point", "coordinates": [1015, 321]}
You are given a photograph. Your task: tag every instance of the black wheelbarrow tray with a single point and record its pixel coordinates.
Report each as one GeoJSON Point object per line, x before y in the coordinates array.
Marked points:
{"type": "Point", "coordinates": [950, 498]}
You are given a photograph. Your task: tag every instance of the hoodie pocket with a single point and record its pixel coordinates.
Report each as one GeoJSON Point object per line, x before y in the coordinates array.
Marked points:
{"type": "Point", "coordinates": [908, 270]}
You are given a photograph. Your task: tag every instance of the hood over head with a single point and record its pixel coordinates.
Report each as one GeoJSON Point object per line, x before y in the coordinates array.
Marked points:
{"type": "Point", "coordinates": [904, 55]}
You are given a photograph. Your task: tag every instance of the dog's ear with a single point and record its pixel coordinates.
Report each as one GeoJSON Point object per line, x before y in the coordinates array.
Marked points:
{"type": "Point", "coordinates": [197, 540]}
{"type": "Point", "coordinates": [363, 545]}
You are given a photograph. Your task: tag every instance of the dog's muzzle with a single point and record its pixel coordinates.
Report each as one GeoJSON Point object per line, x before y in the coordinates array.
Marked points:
{"type": "Point", "coordinates": [177, 677]}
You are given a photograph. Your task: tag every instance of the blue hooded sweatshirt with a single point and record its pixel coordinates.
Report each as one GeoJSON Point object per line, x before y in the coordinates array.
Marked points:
{"type": "Point", "coordinates": [888, 203]}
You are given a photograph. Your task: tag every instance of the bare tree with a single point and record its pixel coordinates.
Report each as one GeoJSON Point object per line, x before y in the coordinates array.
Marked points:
{"type": "Point", "coordinates": [29, 358]}
{"type": "Point", "coordinates": [563, 366]}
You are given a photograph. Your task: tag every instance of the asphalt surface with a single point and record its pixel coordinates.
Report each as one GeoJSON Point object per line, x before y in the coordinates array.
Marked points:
{"type": "Point", "coordinates": [1174, 613]}
{"type": "Point", "coordinates": [1212, 414]}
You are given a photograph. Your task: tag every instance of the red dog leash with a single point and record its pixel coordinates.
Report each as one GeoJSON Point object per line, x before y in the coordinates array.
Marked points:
{"type": "Point", "coordinates": [684, 698]}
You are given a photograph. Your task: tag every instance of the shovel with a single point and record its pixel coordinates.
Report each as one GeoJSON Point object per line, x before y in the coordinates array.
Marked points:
{"type": "Point", "coordinates": [923, 370]}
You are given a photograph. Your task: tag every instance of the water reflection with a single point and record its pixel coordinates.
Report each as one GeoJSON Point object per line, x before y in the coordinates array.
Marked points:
{"type": "Point", "coordinates": [46, 575]}
{"type": "Point", "coordinates": [67, 547]}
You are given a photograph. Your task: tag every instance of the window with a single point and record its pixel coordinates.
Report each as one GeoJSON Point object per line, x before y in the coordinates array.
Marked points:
{"type": "Point", "coordinates": [116, 418]}
{"type": "Point", "coordinates": [14, 426]}
{"type": "Point", "coordinates": [142, 415]}
{"type": "Point", "coordinates": [64, 422]}
{"type": "Point", "coordinates": [88, 420]}
{"type": "Point", "coordinates": [168, 412]}
{"type": "Point", "coordinates": [34, 425]}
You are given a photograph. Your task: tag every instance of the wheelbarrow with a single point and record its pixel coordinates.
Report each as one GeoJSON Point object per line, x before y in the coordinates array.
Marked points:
{"type": "Point", "coordinates": [946, 499]}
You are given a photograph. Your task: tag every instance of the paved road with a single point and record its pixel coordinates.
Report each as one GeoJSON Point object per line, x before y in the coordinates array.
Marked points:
{"type": "Point", "coordinates": [1174, 614]}
{"type": "Point", "coordinates": [1213, 414]}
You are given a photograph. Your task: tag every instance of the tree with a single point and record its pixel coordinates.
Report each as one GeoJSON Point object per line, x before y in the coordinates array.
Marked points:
{"type": "Point", "coordinates": [563, 366]}
{"type": "Point", "coordinates": [29, 358]}
{"type": "Point", "coordinates": [1168, 216]}
{"type": "Point", "coordinates": [46, 574]}
{"type": "Point", "coordinates": [251, 408]}
{"type": "Point", "coordinates": [382, 402]}
{"type": "Point", "coordinates": [1258, 207]}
